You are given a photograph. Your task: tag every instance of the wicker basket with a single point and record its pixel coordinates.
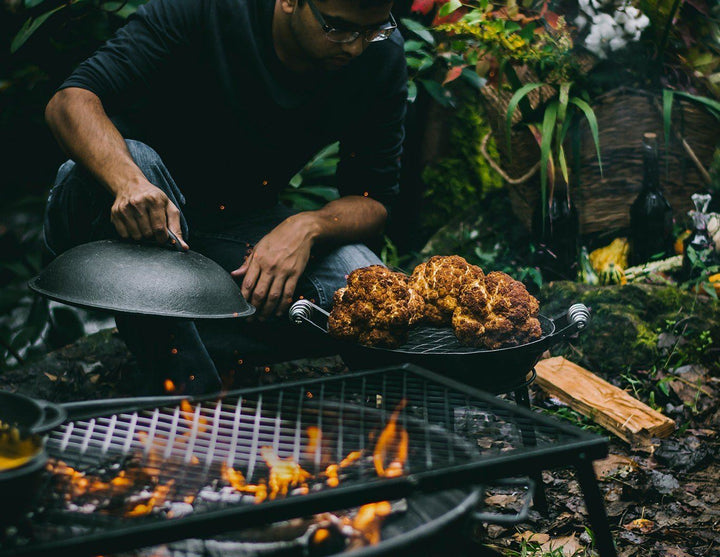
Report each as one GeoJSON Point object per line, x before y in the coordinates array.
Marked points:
{"type": "Point", "coordinates": [623, 115]}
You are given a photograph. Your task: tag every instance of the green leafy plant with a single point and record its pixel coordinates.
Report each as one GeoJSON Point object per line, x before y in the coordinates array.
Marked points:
{"type": "Point", "coordinates": [491, 40]}
{"type": "Point", "coordinates": [551, 131]}
{"type": "Point", "coordinates": [311, 188]}
{"type": "Point", "coordinates": [43, 10]}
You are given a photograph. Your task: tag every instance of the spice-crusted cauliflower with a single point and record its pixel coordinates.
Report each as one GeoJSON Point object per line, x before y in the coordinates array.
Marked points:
{"type": "Point", "coordinates": [440, 281]}
{"type": "Point", "coordinates": [376, 308]}
{"type": "Point", "coordinates": [496, 312]}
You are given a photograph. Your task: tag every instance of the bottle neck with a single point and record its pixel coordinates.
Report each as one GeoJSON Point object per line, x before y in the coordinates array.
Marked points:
{"type": "Point", "coordinates": [651, 167]}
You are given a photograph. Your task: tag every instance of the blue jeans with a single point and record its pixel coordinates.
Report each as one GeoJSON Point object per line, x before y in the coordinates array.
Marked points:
{"type": "Point", "coordinates": [208, 353]}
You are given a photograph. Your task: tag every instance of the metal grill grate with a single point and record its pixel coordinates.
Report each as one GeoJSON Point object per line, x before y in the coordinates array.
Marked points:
{"type": "Point", "coordinates": [457, 436]}
{"type": "Point", "coordinates": [436, 340]}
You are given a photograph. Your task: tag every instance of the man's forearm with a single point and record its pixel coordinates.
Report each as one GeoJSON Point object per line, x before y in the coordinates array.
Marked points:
{"type": "Point", "coordinates": [80, 125]}
{"type": "Point", "coordinates": [348, 219]}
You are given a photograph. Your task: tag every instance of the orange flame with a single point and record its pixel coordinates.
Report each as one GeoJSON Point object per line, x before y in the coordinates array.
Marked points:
{"type": "Point", "coordinates": [188, 412]}
{"type": "Point", "coordinates": [237, 481]}
{"type": "Point", "coordinates": [157, 498]}
{"type": "Point", "coordinates": [369, 518]}
{"type": "Point", "coordinates": [315, 439]}
{"type": "Point", "coordinates": [392, 443]}
{"type": "Point", "coordinates": [284, 473]}
{"type": "Point", "coordinates": [169, 386]}
{"type": "Point", "coordinates": [351, 458]}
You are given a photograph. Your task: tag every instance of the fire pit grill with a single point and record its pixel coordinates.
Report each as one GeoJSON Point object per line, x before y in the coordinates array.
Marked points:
{"type": "Point", "coordinates": [456, 435]}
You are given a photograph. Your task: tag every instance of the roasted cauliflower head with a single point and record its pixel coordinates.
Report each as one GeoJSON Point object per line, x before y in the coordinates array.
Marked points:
{"type": "Point", "coordinates": [440, 281]}
{"type": "Point", "coordinates": [376, 308]}
{"type": "Point", "coordinates": [496, 312]}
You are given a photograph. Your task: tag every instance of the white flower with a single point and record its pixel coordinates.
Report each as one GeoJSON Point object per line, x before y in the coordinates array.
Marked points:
{"type": "Point", "coordinates": [581, 21]}
{"type": "Point", "coordinates": [617, 42]}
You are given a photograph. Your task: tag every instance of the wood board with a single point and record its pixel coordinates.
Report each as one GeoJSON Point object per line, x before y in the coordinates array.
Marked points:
{"type": "Point", "coordinates": [605, 404]}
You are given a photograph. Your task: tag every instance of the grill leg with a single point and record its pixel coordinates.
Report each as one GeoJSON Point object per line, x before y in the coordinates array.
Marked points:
{"type": "Point", "coordinates": [540, 503]}
{"type": "Point", "coordinates": [594, 503]}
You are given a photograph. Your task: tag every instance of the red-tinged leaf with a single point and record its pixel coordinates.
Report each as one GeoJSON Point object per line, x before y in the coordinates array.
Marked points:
{"type": "Point", "coordinates": [422, 6]}
{"type": "Point", "coordinates": [552, 19]}
{"type": "Point", "coordinates": [452, 18]}
{"type": "Point", "coordinates": [453, 74]}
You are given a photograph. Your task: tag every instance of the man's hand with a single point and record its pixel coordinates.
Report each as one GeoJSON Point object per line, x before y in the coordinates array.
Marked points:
{"type": "Point", "coordinates": [144, 211]}
{"type": "Point", "coordinates": [272, 270]}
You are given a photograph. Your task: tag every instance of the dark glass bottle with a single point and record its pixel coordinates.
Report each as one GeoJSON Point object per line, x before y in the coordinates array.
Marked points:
{"type": "Point", "coordinates": [557, 236]}
{"type": "Point", "coordinates": [651, 217]}
{"type": "Point", "coordinates": [699, 242]}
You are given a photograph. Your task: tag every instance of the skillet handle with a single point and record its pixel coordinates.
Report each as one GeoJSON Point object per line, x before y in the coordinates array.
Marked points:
{"type": "Point", "coordinates": [576, 319]}
{"type": "Point", "coordinates": [304, 311]}
{"type": "Point", "coordinates": [53, 416]}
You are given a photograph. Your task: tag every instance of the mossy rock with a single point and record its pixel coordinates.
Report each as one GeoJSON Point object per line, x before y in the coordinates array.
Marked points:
{"type": "Point", "coordinates": [628, 321]}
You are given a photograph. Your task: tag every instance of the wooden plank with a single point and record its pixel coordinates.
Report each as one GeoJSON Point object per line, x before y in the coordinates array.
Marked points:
{"type": "Point", "coordinates": [605, 404]}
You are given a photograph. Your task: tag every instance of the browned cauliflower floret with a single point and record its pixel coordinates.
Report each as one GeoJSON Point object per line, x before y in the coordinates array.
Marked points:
{"type": "Point", "coordinates": [375, 308]}
{"type": "Point", "coordinates": [440, 281]}
{"type": "Point", "coordinates": [496, 312]}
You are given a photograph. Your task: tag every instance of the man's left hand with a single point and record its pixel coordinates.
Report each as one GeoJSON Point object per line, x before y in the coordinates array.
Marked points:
{"type": "Point", "coordinates": [273, 268]}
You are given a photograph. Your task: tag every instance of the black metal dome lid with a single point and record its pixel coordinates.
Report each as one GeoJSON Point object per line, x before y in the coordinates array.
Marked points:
{"type": "Point", "coordinates": [144, 279]}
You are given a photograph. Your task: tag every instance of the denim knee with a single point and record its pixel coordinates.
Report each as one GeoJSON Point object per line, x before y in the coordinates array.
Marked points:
{"type": "Point", "coordinates": [78, 207]}
{"type": "Point", "coordinates": [329, 273]}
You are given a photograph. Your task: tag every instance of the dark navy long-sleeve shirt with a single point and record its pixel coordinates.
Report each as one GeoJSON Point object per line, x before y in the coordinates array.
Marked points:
{"type": "Point", "coordinates": [200, 82]}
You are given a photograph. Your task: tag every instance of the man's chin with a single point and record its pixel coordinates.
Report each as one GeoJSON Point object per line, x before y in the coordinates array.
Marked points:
{"type": "Point", "coordinates": [336, 62]}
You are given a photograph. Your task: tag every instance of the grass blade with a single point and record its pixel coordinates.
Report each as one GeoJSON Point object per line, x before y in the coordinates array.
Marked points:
{"type": "Point", "coordinates": [592, 122]}
{"type": "Point", "coordinates": [516, 98]}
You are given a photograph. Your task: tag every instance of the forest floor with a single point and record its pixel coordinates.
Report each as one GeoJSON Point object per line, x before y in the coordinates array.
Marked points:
{"type": "Point", "coordinates": [662, 500]}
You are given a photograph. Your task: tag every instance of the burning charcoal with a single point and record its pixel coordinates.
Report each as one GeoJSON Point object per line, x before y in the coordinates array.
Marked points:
{"type": "Point", "coordinates": [179, 509]}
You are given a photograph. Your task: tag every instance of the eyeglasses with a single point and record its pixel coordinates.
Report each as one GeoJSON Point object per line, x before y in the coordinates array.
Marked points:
{"type": "Point", "coordinates": [334, 35]}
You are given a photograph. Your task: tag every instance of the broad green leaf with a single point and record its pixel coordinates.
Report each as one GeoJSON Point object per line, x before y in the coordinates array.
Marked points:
{"type": "Point", "coordinates": [667, 116]}
{"type": "Point", "coordinates": [419, 29]}
{"type": "Point", "coordinates": [713, 106]}
{"type": "Point", "coordinates": [296, 180]}
{"type": "Point", "coordinates": [563, 101]}
{"type": "Point", "coordinates": [563, 96]}
{"type": "Point", "coordinates": [449, 7]}
{"type": "Point", "coordinates": [563, 164]}
{"type": "Point", "coordinates": [548, 127]}
{"type": "Point", "coordinates": [437, 92]}
{"type": "Point", "coordinates": [592, 122]}
{"type": "Point", "coordinates": [516, 98]}
{"type": "Point", "coordinates": [326, 192]}
{"type": "Point", "coordinates": [29, 4]}
{"type": "Point", "coordinates": [426, 63]}
{"type": "Point", "coordinates": [412, 46]}
{"type": "Point", "coordinates": [412, 91]}
{"type": "Point", "coordinates": [473, 78]}
{"type": "Point", "coordinates": [30, 26]}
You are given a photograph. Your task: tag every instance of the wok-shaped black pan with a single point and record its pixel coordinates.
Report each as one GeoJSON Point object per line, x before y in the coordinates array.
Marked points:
{"type": "Point", "coordinates": [437, 349]}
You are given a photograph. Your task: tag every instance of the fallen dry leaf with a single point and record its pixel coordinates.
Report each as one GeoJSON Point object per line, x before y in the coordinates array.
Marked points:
{"type": "Point", "coordinates": [614, 465]}
{"type": "Point", "coordinates": [569, 545]}
{"type": "Point", "coordinates": [50, 376]}
{"type": "Point", "coordinates": [501, 500]}
{"type": "Point", "coordinates": [529, 536]}
{"type": "Point", "coordinates": [642, 525]}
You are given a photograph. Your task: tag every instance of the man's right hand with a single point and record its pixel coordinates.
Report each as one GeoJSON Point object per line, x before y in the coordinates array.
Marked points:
{"type": "Point", "coordinates": [142, 210]}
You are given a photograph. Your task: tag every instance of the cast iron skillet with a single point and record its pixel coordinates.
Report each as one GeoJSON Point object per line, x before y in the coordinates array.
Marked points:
{"type": "Point", "coordinates": [130, 277]}
{"type": "Point", "coordinates": [437, 349]}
